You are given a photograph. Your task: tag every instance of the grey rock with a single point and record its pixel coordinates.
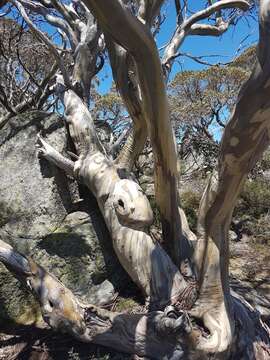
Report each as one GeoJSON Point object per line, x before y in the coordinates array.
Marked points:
{"type": "Point", "coordinates": [34, 195]}
{"type": "Point", "coordinates": [38, 218]}
{"type": "Point", "coordinates": [233, 236]}
{"type": "Point", "coordinates": [75, 255]}
{"type": "Point", "coordinates": [103, 294]}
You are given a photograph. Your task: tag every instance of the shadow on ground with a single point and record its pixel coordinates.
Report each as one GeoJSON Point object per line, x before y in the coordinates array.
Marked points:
{"type": "Point", "coordinates": [31, 343]}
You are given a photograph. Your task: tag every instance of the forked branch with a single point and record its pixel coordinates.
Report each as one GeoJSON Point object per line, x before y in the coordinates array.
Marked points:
{"type": "Point", "coordinates": [190, 26]}
{"type": "Point", "coordinates": [138, 40]}
{"type": "Point", "coordinates": [125, 77]}
{"type": "Point", "coordinates": [132, 333]}
{"type": "Point", "coordinates": [245, 138]}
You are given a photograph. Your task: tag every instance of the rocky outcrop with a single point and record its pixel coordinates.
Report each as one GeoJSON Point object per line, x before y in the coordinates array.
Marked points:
{"type": "Point", "coordinates": [42, 215]}
{"type": "Point", "coordinates": [35, 196]}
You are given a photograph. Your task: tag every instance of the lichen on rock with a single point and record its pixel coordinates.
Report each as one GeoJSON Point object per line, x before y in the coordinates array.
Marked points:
{"type": "Point", "coordinates": [41, 217]}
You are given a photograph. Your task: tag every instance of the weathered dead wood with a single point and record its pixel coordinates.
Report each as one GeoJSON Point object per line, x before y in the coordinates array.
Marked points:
{"type": "Point", "coordinates": [190, 26]}
{"type": "Point", "coordinates": [156, 334]}
{"type": "Point", "coordinates": [167, 334]}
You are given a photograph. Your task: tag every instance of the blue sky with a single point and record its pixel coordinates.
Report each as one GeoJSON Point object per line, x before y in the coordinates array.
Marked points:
{"type": "Point", "coordinates": [226, 46]}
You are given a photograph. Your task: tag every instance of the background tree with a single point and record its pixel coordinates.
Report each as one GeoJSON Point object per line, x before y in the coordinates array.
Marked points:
{"type": "Point", "coordinates": [191, 312]}
{"type": "Point", "coordinates": [201, 103]}
{"type": "Point", "coordinates": [27, 68]}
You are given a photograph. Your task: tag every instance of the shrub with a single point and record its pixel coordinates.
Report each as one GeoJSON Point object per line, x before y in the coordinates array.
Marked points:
{"type": "Point", "coordinates": [190, 201]}
{"type": "Point", "coordinates": [254, 199]}
{"type": "Point", "coordinates": [156, 213]}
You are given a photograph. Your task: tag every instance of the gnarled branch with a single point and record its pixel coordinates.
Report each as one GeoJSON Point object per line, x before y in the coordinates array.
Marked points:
{"type": "Point", "coordinates": [132, 333]}
{"type": "Point", "coordinates": [126, 211]}
{"type": "Point", "coordinates": [139, 42]}
{"type": "Point", "coordinates": [190, 26]}
{"type": "Point", "coordinates": [44, 39]}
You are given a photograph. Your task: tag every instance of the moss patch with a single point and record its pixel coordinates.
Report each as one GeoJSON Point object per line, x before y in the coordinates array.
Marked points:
{"type": "Point", "coordinates": [190, 203]}
{"type": "Point", "coordinates": [125, 304]}
{"type": "Point", "coordinates": [17, 305]}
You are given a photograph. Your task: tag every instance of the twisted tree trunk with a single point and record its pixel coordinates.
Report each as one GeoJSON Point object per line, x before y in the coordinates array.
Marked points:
{"type": "Point", "coordinates": [191, 312]}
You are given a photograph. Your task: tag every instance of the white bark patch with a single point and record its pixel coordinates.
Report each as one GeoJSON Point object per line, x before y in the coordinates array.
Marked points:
{"type": "Point", "coordinates": [234, 141]}
{"type": "Point", "coordinates": [131, 205]}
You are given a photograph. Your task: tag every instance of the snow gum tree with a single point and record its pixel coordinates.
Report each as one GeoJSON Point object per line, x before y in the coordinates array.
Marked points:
{"type": "Point", "coordinates": [191, 312]}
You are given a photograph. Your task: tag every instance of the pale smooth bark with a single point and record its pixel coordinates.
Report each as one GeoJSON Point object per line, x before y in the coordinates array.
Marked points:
{"type": "Point", "coordinates": [190, 26]}
{"type": "Point", "coordinates": [126, 80]}
{"type": "Point", "coordinates": [138, 40]}
{"type": "Point", "coordinates": [85, 57]}
{"type": "Point", "coordinates": [122, 65]}
{"type": "Point", "coordinates": [119, 200]}
{"type": "Point", "coordinates": [157, 334]}
{"type": "Point", "coordinates": [125, 208]}
{"type": "Point", "coordinates": [227, 325]}
{"type": "Point", "coordinates": [245, 138]}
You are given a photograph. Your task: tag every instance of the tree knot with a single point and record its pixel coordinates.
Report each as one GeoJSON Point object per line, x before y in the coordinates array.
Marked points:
{"type": "Point", "coordinates": [173, 321]}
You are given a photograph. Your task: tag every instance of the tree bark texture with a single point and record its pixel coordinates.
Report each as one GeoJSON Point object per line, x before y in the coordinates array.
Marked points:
{"type": "Point", "coordinates": [191, 313]}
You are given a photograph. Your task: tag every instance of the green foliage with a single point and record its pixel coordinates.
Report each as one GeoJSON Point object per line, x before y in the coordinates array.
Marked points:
{"type": "Point", "coordinates": [124, 304]}
{"type": "Point", "coordinates": [247, 59]}
{"type": "Point", "coordinates": [252, 210]}
{"type": "Point", "coordinates": [109, 109]}
{"type": "Point", "coordinates": [265, 162]}
{"type": "Point", "coordinates": [262, 230]}
{"type": "Point", "coordinates": [262, 165]}
{"type": "Point", "coordinates": [254, 199]}
{"type": "Point", "coordinates": [200, 103]}
{"type": "Point", "coordinates": [108, 105]}
{"type": "Point", "coordinates": [197, 96]}
{"type": "Point", "coordinates": [190, 201]}
{"type": "Point", "coordinates": [156, 213]}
